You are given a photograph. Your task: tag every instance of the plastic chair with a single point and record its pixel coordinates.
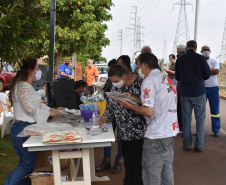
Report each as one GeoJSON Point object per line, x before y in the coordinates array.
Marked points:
{"type": "Point", "coordinates": [8, 116]}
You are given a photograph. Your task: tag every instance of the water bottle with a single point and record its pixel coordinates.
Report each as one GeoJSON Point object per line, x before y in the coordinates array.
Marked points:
{"type": "Point", "coordinates": [95, 130]}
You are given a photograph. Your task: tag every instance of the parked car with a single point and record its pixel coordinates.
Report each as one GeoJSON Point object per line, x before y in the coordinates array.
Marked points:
{"type": "Point", "coordinates": [6, 76]}
{"type": "Point", "coordinates": [103, 70]}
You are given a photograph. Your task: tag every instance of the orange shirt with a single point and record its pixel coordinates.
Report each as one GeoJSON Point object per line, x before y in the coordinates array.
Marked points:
{"type": "Point", "coordinates": [90, 74]}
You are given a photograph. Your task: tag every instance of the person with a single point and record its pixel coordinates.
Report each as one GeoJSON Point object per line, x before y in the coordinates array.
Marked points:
{"type": "Point", "coordinates": [79, 89]}
{"type": "Point", "coordinates": [130, 124]}
{"type": "Point", "coordinates": [146, 49]}
{"type": "Point", "coordinates": [103, 79]}
{"type": "Point", "coordinates": [65, 70]}
{"type": "Point", "coordinates": [180, 51]}
{"type": "Point", "coordinates": [42, 93]}
{"type": "Point", "coordinates": [124, 60]}
{"type": "Point", "coordinates": [158, 105]}
{"type": "Point", "coordinates": [91, 75]}
{"type": "Point", "coordinates": [27, 110]}
{"type": "Point", "coordinates": [106, 162]}
{"type": "Point", "coordinates": [191, 71]}
{"type": "Point", "coordinates": [212, 90]}
{"type": "Point", "coordinates": [171, 70]}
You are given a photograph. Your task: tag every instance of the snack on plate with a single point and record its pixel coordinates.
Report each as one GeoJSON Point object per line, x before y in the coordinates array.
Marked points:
{"type": "Point", "coordinates": [64, 136]}
{"type": "Point", "coordinates": [116, 95]}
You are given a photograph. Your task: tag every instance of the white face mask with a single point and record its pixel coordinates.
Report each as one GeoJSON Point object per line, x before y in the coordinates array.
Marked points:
{"type": "Point", "coordinates": [206, 53]}
{"type": "Point", "coordinates": [119, 84]}
{"type": "Point", "coordinates": [140, 74]}
{"type": "Point", "coordinates": [38, 74]}
{"type": "Point", "coordinates": [90, 65]}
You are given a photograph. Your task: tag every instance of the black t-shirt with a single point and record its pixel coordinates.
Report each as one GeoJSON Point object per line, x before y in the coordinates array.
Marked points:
{"type": "Point", "coordinates": [77, 97]}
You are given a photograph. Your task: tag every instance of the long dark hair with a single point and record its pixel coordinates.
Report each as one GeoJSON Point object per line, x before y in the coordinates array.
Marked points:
{"type": "Point", "coordinates": [126, 62]}
{"type": "Point", "coordinates": [118, 70]}
{"type": "Point", "coordinates": [22, 75]}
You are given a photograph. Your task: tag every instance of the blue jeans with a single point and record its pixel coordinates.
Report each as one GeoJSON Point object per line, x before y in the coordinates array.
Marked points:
{"type": "Point", "coordinates": [27, 159]}
{"type": "Point", "coordinates": [174, 81]}
{"type": "Point", "coordinates": [212, 94]}
{"type": "Point", "coordinates": [199, 105]}
{"type": "Point", "coordinates": [107, 150]}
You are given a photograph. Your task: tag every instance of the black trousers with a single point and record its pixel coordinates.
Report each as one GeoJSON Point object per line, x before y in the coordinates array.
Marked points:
{"type": "Point", "coordinates": [132, 154]}
{"type": "Point", "coordinates": [179, 116]}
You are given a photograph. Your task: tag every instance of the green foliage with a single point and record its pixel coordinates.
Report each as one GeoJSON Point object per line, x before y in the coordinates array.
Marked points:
{"type": "Point", "coordinates": [79, 29]}
{"type": "Point", "coordinates": [19, 22]}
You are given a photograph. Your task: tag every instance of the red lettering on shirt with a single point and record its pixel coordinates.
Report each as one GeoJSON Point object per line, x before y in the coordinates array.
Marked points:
{"type": "Point", "coordinates": [175, 125]}
{"type": "Point", "coordinates": [171, 82]}
{"type": "Point", "coordinates": [146, 93]}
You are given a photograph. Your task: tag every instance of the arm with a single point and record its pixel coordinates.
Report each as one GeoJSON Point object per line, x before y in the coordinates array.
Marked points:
{"type": "Point", "coordinates": [63, 74]}
{"type": "Point", "coordinates": [214, 72]}
{"type": "Point", "coordinates": [96, 74]}
{"type": "Point", "coordinates": [144, 110]}
{"type": "Point", "coordinates": [133, 96]}
{"type": "Point", "coordinates": [169, 71]}
{"type": "Point", "coordinates": [205, 69]}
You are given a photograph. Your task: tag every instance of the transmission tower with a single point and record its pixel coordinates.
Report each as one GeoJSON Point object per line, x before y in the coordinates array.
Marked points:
{"type": "Point", "coordinates": [164, 53]}
{"type": "Point", "coordinates": [223, 46]}
{"type": "Point", "coordinates": [182, 32]}
{"type": "Point", "coordinates": [139, 34]}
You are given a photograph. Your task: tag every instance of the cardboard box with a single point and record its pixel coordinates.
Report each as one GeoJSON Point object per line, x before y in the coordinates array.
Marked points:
{"type": "Point", "coordinates": [46, 179]}
{"type": "Point", "coordinates": [44, 162]}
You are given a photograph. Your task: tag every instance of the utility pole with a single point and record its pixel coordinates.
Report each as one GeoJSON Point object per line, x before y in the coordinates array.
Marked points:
{"type": "Point", "coordinates": [52, 39]}
{"type": "Point", "coordinates": [139, 33]}
{"type": "Point", "coordinates": [135, 29]}
{"type": "Point", "coordinates": [164, 55]}
{"type": "Point", "coordinates": [223, 46]}
{"type": "Point", "coordinates": [182, 32]}
{"type": "Point", "coordinates": [197, 16]}
{"type": "Point", "coordinates": [121, 42]}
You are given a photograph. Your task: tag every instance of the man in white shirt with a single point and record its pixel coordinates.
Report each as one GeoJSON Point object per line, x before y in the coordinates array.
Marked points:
{"type": "Point", "coordinates": [159, 106]}
{"type": "Point", "coordinates": [212, 90]}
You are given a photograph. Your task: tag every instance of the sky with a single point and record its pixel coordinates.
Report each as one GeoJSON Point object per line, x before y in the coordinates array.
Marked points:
{"type": "Point", "coordinates": [158, 20]}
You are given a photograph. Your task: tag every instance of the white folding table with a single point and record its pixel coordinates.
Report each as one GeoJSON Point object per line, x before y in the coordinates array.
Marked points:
{"type": "Point", "coordinates": [34, 143]}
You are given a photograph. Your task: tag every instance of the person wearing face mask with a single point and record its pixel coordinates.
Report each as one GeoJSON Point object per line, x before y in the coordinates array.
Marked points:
{"type": "Point", "coordinates": [91, 75]}
{"type": "Point", "coordinates": [79, 90]}
{"type": "Point", "coordinates": [171, 70]}
{"type": "Point", "coordinates": [212, 90]}
{"type": "Point", "coordinates": [158, 105]}
{"type": "Point", "coordinates": [191, 71]}
{"type": "Point", "coordinates": [27, 110]}
{"type": "Point", "coordinates": [130, 124]}
{"type": "Point", "coordinates": [65, 70]}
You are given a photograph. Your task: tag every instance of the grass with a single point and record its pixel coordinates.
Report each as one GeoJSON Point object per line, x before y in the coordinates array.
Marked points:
{"type": "Point", "coordinates": [8, 158]}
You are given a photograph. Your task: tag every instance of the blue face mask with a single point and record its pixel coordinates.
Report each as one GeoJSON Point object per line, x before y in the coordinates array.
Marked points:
{"type": "Point", "coordinates": [81, 91]}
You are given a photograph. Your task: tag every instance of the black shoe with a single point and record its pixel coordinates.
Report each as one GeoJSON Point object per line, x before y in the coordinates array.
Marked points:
{"type": "Point", "coordinates": [117, 166]}
{"type": "Point", "coordinates": [216, 135]}
{"type": "Point", "coordinates": [106, 164]}
{"type": "Point", "coordinates": [186, 149]}
{"type": "Point", "coordinates": [198, 149]}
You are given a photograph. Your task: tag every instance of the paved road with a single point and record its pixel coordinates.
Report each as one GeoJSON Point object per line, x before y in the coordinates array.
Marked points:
{"type": "Point", "coordinates": [190, 168]}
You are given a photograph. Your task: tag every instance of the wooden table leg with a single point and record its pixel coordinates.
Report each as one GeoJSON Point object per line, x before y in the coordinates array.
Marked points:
{"type": "Point", "coordinates": [86, 166]}
{"type": "Point", "coordinates": [94, 178]}
{"type": "Point", "coordinates": [56, 167]}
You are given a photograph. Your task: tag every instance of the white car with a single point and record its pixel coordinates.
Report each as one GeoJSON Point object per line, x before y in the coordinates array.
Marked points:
{"type": "Point", "coordinates": [103, 70]}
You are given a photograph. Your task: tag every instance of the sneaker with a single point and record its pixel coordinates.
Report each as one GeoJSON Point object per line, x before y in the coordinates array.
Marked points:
{"type": "Point", "coordinates": [216, 135]}
{"type": "Point", "coordinates": [198, 149]}
{"type": "Point", "coordinates": [106, 164]}
{"type": "Point", "coordinates": [186, 149]}
{"type": "Point", "coordinates": [117, 165]}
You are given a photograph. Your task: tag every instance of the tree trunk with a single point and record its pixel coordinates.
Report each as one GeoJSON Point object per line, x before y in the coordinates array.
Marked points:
{"type": "Point", "coordinates": [58, 63]}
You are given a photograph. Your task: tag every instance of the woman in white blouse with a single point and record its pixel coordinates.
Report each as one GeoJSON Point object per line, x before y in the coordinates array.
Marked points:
{"type": "Point", "coordinates": [27, 110]}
